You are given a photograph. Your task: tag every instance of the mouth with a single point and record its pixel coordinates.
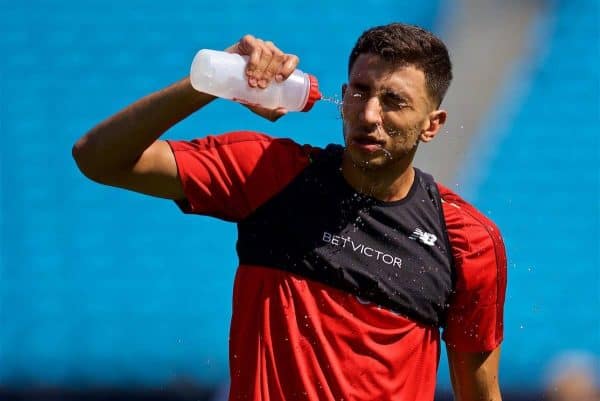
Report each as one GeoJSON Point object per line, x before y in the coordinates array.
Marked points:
{"type": "Point", "coordinates": [367, 143]}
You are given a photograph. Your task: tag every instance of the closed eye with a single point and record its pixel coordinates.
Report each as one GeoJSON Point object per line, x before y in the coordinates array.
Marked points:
{"type": "Point", "coordinates": [395, 101]}
{"type": "Point", "coordinates": [357, 93]}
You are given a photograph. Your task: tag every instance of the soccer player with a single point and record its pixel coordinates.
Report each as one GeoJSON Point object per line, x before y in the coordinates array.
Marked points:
{"type": "Point", "coordinates": [351, 259]}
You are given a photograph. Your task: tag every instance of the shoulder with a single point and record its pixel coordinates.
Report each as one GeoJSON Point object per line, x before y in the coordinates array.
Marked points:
{"type": "Point", "coordinates": [475, 318]}
{"type": "Point", "coordinates": [249, 139]}
{"type": "Point", "coordinates": [477, 248]}
{"type": "Point", "coordinates": [465, 224]}
{"type": "Point", "coordinates": [229, 175]}
{"type": "Point", "coordinates": [246, 151]}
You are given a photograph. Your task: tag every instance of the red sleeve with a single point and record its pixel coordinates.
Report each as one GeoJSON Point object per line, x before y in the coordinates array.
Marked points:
{"type": "Point", "coordinates": [475, 317]}
{"type": "Point", "coordinates": [228, 176]}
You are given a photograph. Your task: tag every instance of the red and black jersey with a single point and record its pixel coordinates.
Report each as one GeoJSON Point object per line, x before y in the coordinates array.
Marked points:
{"type": "Point", "coordinates": [339, 295]}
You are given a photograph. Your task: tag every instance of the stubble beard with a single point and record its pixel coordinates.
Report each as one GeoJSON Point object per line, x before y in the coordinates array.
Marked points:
{"type": "Point", "coordinates": [385, 158]}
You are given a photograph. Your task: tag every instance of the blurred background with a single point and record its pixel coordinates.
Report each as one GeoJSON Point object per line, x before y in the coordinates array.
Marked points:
{"type": "Point", "coordinates": [106, 294]}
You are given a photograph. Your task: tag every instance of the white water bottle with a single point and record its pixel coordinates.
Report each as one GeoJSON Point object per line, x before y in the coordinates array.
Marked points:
{"type": "Point", "coordinates": [223, 75]}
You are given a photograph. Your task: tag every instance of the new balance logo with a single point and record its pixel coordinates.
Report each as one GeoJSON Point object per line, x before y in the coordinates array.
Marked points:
{"type": "Point", "coordinates": [425, 238]}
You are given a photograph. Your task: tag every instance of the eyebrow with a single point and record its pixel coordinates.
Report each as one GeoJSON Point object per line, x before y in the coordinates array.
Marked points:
{"type": "Point", "coordinates": [357, 83]}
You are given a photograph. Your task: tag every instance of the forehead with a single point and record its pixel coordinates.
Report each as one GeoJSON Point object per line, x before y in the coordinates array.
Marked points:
{"type": "Point", "coordinates": [372, 70]}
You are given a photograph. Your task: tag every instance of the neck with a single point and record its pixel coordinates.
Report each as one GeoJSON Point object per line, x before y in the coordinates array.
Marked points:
{"type": "Point", "coordinates": [389, 183]}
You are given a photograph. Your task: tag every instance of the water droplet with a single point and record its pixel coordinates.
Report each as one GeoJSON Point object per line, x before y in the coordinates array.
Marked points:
{"type": "Point", "coordinates": [332, 99]}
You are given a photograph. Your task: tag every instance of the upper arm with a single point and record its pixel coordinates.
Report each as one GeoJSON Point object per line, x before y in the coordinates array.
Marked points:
{"type": "Point", "coordinates": [154, 173]}
{"type": "Point", "coordinates": [474, 375]}
{"type": "Point", "coordinates": [475, 318]}
{"type": "Point", "coordinates": [228, 176]}
{"type": "Point", "coordinates": [474, 325]}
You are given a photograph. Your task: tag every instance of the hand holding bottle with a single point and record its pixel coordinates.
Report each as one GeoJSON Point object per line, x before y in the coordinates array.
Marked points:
{"type": "Point", "coordinates": [266, 61]}
{"type": "Point", "coordinates": [263, 78]}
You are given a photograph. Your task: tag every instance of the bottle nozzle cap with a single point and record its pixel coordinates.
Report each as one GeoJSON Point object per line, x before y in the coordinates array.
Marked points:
{"type": "Point", "coordinates": [313, 93]}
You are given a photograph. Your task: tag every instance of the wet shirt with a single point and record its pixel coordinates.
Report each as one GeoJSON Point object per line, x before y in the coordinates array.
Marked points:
{"type": "Point", "coordinates": [339, 296]}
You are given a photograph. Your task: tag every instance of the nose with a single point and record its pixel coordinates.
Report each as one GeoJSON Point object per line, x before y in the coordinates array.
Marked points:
{"type": "Point", "coordinates": [371, 112]}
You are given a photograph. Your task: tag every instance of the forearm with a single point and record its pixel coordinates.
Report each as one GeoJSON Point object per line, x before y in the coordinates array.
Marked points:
{"type": "Point", "coordinates": [117, 142]}
{"type": "Point", "coordinates": [482, 389]}
{"type": "Point", "coordinates": [475, 375]}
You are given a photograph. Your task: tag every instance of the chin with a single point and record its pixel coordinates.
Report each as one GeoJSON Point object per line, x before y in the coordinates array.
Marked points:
{"type": "Point", "coordinates": [367, 162]}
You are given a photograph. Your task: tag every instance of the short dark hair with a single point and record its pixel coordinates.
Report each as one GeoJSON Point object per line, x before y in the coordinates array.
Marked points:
{"type": "Point", "coordinates": [404, 44]}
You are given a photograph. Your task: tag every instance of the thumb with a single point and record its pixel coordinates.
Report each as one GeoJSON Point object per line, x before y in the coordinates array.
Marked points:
{"type": "Point", "coordinates": [278, 113]}
{"type": "Point", "coordinates": [269, 114]}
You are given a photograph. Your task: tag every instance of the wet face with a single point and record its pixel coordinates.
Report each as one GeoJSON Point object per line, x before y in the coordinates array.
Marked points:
{"type": "Point", "coordinates": [386, 111]}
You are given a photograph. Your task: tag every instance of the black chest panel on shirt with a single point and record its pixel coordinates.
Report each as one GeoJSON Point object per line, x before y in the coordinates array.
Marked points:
{"type": "Point", "coordinates": [392, 254]}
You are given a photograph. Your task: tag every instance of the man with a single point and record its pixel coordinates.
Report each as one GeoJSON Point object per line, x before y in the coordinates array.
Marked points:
{"type": "Point", "coordinates": [350, 259]}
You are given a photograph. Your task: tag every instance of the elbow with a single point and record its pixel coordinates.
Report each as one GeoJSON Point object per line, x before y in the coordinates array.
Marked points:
{"type": "Point", "coordinates": [83, 154]}
{"type": "Point", "coordinates": [80, 155]}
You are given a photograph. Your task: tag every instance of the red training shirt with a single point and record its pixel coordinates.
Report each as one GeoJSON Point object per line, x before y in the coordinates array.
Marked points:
{"type": "Point", "coordinates": [293, 338]}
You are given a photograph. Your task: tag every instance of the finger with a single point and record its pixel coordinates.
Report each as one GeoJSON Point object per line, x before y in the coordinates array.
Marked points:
{"type": "Point", "coordinates": [246, 45]}
{"type": "Point", "coordinates": [252, 68]}
{"type": "Point", "coordinates": [274, 66]}
{"type": "Point", "coordinates": [289, 66]}
{"type": "Point", "coordinates": [249, 46]}
{"type": "Point", "coordinates": [232, 49]}
{"type": "Point", "coordinates": [266, 55]}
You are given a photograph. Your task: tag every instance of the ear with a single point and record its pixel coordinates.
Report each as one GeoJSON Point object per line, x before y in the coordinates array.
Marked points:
{"type": "Point", "coordinates": [433, 124]}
